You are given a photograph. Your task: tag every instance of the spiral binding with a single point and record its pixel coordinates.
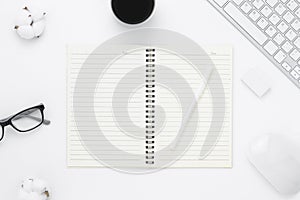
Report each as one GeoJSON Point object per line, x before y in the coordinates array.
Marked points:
{"type": "Point", "coordinates": [150, 105]}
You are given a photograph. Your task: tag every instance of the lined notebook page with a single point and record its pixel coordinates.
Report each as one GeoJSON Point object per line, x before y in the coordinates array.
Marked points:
{"type": "Point", "coordinates": [132, 142]}
{"type": "Point", "coordinates": [79, 146]}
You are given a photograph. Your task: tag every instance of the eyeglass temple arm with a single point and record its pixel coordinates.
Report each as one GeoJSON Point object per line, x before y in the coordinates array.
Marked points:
{"type": "Point", "coordinates": [46, 122]}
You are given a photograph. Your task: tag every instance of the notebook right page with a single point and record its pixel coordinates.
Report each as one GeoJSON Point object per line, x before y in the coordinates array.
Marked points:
{"type": "Point", "coordinates": [207, 138]}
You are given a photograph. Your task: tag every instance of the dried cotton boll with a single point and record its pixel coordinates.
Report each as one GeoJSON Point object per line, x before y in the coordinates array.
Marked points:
{"type": "Point", "coordinates": [37, 15]}
{"type": "Point", "coordinates": [39, 185]}
{"type": "Point", "coordinates": [34, 189]}
{"type": "Point", "coordinates": [30, 23]}
{"type": "Point", "coordinates": [38, 28]}
{"type": "Point", "coordinates": [23, 17]}
{"type": "Point", "coordinates": [27, 185]}
{"type": "Point", "coordinates": [25, 32]}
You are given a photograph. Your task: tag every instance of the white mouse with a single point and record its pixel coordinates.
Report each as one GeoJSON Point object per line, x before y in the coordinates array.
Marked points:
{"type": "Point", "coordinates": [277, 158]}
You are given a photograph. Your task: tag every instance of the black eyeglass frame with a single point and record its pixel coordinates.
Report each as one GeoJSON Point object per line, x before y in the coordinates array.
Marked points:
{"type": "Point", "coordinates": [8, 121]}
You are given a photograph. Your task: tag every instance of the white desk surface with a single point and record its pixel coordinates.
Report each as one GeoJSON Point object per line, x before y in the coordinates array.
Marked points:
{"type": "Point", "coordinates": [35, 71]}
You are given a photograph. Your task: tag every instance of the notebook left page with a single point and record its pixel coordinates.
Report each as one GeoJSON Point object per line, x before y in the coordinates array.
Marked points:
{"type": "Point", "coordinates": [105, 108]}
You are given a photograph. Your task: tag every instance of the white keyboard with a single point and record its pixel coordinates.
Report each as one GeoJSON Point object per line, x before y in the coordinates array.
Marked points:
{"type": "Point", "coordinates": [273, 26]}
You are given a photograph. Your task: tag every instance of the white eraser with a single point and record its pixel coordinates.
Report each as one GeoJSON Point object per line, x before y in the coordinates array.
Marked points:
{"type": "Point", "coordinates": [257, 81]}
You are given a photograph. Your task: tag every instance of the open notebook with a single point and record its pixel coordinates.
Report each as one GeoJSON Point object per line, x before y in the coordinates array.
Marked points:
{"type": "Point", "coordinates": [129, 112]}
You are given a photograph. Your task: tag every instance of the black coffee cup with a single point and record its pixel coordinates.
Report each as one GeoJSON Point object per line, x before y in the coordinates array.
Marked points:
{"type": "Point", "coordinates": [133, 12]}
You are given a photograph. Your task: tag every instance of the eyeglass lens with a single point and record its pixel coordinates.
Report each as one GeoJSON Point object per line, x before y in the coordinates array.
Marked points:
{"type": "Point", "coordinates": [28, 119]}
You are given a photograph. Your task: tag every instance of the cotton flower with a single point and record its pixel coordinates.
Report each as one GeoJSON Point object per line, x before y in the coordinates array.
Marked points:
{"type": "Point", "coordinates": [30, 23]}
{"type": "Point", "coordinates": [34, 189]}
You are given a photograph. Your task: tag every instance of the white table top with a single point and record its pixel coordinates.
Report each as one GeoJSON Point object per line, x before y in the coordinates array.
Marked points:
{"type": "Point", "coordinates": [35, 71]}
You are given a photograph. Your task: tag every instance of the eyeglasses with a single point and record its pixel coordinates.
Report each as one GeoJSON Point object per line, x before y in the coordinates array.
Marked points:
{"type": "Point", "coordinates": [25, 121]}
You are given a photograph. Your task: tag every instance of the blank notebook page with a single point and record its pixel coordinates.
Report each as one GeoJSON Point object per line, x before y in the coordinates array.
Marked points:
{"type": "Point", "coordinates": [119, 109]}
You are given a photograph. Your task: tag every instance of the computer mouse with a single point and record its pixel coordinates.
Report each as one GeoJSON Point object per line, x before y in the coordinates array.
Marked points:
{"type": "Point", "coordinates": [277, 158]}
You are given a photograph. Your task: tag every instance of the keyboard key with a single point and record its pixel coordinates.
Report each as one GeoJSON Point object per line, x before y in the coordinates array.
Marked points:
{"type": "Point", "coordinates": [254, 15]}
{"type": "Point", "coordinates": [262, 23]}
{"type": "Point", "coordinates": [271, 31]}
{"type": "Point", "coordinates": [296, 25]}
{"type": "Point", "coordinates": [272, 3]}
{"type": "Point", "coordinates": [280, 9]}
{"type": "Point", "coordinates": [258, 3]}
{"type": "Point", "coordinates": [291, 35]}
{"type": "Point", "coordinates": [297, 69]}
{"type": "Point", "coordinates": [246, 7]}
{"type": "Point", "coordinates": [298, 12]}
{"type": "Point", "coordinates": [271, 48]}
{"type": "Point", "coordinates": [297, 42]}
{"type": "Point", "coordinates": [288, 17]}
{"type": "Point", "coordinates": [221, 3]}
{"type": "Point", "coordinates": [266, 11]}
{"type": "Point", "coordinates": [238, 2]}
{"type": "Point", "coordinates": [295, 54]}
{"type": "Point", "coordinates": [279, 39]}
{"type": "Point", "coordinates": [280, 56]}
{"type": "Point", "coordinates": [283, 27]}
{"type": "Point", "coordinates": [274, 19]}
{"type": "Point", "coordinates": [287, 47]}
{"type": "Point", "coordinates": [292, 5]}
{"type": "Point", "coordinates": [286, 66]}
{"type": "Point", "coordinates": [245, 23]}
{"type": "Point", "coordinates": [295, 75]}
